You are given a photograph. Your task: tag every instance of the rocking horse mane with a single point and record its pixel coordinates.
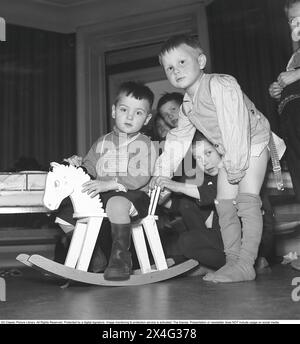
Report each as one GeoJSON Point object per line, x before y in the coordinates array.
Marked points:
{"type": "Point", "coordinates": [78, 171]}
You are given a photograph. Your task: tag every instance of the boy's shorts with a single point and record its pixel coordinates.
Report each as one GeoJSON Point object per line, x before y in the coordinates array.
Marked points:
{"type": "Point", "coordinates": [139, 199]}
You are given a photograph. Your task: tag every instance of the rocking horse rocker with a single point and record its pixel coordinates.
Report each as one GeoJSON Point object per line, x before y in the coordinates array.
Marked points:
{"type": "Point", "coordinates": [63, 181]}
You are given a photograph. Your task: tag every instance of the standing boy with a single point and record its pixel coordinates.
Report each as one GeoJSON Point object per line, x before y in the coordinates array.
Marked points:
{"type": "Point", "coordinates": [215, 105]}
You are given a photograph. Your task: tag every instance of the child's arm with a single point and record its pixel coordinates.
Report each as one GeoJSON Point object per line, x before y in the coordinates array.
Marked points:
{"type": "Point", "coordinates": [177, 143]}
{"type": "Point", "coordinates": [287, 78]}
{"type": "Point", "coordinates": [205, 193]}
{"type": "Point", "coordinates": [190, 190]}
{"type": "Point", "coordinates": [95, 187]}
{"type": "Point", "coordinates": [90, 160]}
{"type": "Point", "coordinates": [234, 124]}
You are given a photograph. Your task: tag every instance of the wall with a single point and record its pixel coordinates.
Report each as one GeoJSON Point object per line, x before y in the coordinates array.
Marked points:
{"type": "Point", "coordinates": [95, 42]}
{"type": "Point", "coordinates": [67, 16]}
{"type": "Point", "coordinates": [250, 40]}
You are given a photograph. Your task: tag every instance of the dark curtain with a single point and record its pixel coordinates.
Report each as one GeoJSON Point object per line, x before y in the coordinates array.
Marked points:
{"type": "Point", "coordinates": [37, 96]}
{"type": "Point", "coordinates": [250, 40]}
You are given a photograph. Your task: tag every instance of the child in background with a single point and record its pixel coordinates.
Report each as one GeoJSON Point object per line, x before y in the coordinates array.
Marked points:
{"type": "Point", "coordinates": [215, 105]}
{"type": "Point", "coordinates": [168, 107]}
{"type": "Point", "coordinates": [160, 128]}
{"type": "Point", "coordinates": [167, 112]}
{"type": "Point", "coordinates": [202, 238]}
{"type": "Point", "coordinates": [121, 163]}
{"type": "Point", "coordinates": [286, 89]}
{"type": "Point", "coordinates": [166, 118]}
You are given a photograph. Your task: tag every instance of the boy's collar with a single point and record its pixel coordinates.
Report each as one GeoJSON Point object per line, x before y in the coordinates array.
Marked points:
{"type": "Point", "coordinates": [187, 98]}
{"type": "Point", "coordinates": [117, 132]}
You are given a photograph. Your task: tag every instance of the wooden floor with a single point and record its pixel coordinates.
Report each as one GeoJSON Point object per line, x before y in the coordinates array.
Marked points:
{"type": "Point", "coordinates": [34, 296]}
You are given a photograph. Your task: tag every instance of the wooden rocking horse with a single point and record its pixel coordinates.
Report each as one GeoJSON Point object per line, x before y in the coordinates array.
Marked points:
{"type": "Point", "coordinates": [63, 181]}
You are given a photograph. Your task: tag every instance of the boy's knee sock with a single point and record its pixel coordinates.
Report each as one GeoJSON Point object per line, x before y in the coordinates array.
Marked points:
{"type": "Point", "coordinates": [249, 210]}
{"type": "Point", "coordinates": [230, 228]}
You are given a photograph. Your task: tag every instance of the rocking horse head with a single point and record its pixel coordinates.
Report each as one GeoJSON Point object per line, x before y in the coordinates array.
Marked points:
{"type": "Point", "coordinates": [66, 180]}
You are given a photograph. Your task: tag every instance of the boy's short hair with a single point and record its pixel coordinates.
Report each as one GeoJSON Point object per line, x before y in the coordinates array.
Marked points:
{"type": "Point", "coordinates": [167, 97]}
{"type": "Point", "coordinates": [177, 40]}
{"type": "Point", "coordinates": [135, 89]}
{"type": "Point", "coordinates": [198, 137]}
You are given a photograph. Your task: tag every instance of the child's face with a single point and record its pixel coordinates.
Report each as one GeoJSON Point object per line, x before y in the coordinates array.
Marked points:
{"type": "Point", "coordinates": [293, 14]}
{"type": "Point", "coordinates": [184, 66]}
{"type": "Point", "coordinates": [208, 159]}
{"type": "Point", "coordinates": [170, 111]}
{"type": "Point", "coordinates": [130, 114]}
{"type": "Point", "coordinates": [162, 128]}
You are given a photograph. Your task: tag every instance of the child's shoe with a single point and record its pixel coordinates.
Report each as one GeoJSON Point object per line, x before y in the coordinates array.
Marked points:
{"type": "Point", "coordinates": [262, 266]}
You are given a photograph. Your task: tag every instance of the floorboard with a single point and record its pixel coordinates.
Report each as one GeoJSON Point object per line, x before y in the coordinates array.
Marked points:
{"type": "Point", "coordinates": [32, 296]}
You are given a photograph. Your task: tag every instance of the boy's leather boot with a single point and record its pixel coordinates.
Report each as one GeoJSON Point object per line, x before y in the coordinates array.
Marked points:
{"type": "Point", "coordinates": [120, 264]}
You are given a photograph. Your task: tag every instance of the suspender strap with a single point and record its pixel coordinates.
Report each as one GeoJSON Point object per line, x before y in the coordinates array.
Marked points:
{"type": "Point", "coordinates": [275, 164]}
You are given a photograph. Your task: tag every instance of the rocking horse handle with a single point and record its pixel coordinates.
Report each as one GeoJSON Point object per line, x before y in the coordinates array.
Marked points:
{"type": "Point", "coordinates": [154, 200]}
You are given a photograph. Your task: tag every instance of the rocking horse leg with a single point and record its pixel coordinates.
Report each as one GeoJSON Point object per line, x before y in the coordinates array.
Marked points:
{"type": "Point", "coordinates": [141, 248]}
{"type": "Point", "coordinates": [151, 231]}
{"type": "Point", "coordinates": [76, 243]}
{"type": "Point", "coordinates": [92, 231]}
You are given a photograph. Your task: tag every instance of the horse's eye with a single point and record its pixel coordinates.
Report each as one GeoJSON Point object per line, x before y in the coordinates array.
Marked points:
{"type": "Point", "coordinates": [56, 183]}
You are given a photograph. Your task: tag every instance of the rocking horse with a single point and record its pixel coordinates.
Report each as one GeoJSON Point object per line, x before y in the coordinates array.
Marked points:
{"type": "Point", "coordinates": [63, 181]}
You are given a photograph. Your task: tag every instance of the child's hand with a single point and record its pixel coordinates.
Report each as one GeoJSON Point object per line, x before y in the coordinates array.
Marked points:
{"type": "Point", "coordinates": [152, 183]}
{"type": "Point", "coordinates": [287, 78]}
{"type": "Point", "coordinates": [275, 90]}
{"type": "Point", "coordinates": [163, 182]}
{"type": "Point", "coordinates": [167, 183]}
{"type": "Point", "coordinates": [74, 160]}
{"type": "Point", "coordinates": [235, 180]}
{"type": "Point", "coordinates": [94, 187]}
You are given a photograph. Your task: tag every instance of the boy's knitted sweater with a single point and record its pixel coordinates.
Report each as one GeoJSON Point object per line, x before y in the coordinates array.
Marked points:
{"type": "Point", "coordinates": [129, 159]}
